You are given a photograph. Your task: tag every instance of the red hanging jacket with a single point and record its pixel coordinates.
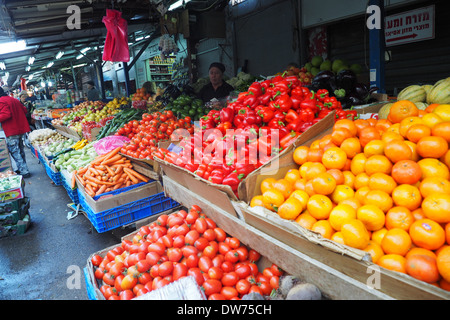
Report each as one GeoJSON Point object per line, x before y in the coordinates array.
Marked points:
{"type": "Point", "coordinates": [13, 116]}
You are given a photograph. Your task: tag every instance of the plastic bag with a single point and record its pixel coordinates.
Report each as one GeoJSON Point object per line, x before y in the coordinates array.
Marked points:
{"type": "Point", "coordinates": [109, 143]}
{"type": "Point", "coordinates": [116, 43]}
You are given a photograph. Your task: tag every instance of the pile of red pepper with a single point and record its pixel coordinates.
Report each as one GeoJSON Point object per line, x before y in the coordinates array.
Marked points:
{"type": "Point", "coordinates": [280, 105]}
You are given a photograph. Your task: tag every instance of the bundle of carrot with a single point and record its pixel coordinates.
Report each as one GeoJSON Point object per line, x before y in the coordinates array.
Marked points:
{"type": "Point", "coordinates": [107, 172]}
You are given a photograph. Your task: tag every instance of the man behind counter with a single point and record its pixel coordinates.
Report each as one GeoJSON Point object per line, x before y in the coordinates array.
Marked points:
{"type": "Point", "coordinates": [216, 88]}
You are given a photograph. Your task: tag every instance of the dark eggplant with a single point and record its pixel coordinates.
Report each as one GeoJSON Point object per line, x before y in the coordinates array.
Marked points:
{"type": "Point", "coordinates": [324, 80]}
{"type": "Point", "coordinates": [346, 79]}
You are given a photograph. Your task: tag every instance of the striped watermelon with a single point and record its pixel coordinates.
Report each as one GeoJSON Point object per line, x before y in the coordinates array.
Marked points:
{"type": "Point", "coordinates": [414, 93]}
{"type": "Point", "coordinates": [440, 93]}
{"type": "Point", "coordinates": [427, 87]}
{"type": "Point", "coordinates": [384, 111]}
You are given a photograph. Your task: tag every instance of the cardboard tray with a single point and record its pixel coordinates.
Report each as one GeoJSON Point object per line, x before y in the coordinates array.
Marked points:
{"type": "Point", "coordinates": [338, 276]}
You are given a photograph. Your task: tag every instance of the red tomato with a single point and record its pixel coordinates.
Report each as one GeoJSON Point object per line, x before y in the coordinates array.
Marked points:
{"type": "Point", "coordinates": [255, 288]}
{"type": "Point", "coordinates": [243, 286]}
{"type": "Point", "coordinates": [108, 278]}
{"type": "Point", "coordinates": [167, 241]}
{"type": "Point", "coordinates": [197, 274]}
{"type": "Point", "coordinates": [189, 250]}
{"type": "Point", "coordinates": [117, 269]}
{"type": "Point", "coordinates": [179, 241]}
{"type": "Point", "coordinates": [220, 234]}
{"type": "Point", "coordinates": [211, 286]}
{"type": "Point", "coordinates": [153, 258]}
{"type": "Point", "coordinates": [218, 260]}
{"type": "Point", "coordinates": [118, 282]}
{"type": "Point", "coordinates": [145, 277]}
{"type": "Point", "coordinates": [201, 243]}
{"type": "Point", "coordinates": [143, 265]}
{"type": "Point", "coordinates": [233, 242]}
{"type": "Point", "coordinates": [229, 292]}
{"type": "Point", "coordinates": [192, 261]}
{"type": "Point", "coordinates": [232, 256]}
{"type": "Point", "coordinates": [179, 270]}
{"type": "Point", "coordinates": [210, 251]}
{"type": "Point", "coordinates": [276, 270]}
{"type": "Point", "coordinates": [191, 217]}
{"type": "Point", "coordinates": [201, 225]}
{"type": "Point", "coordinates": [266, 288]}
{"type": "Point", "coordinates": [230, 278]}
{"type": "Point", "coordinates": [204, 263]}
{"type": "Point", "coordinates": [216, 296]}
{"type": "Point", "coordinates": [243, 271]}
{"type": "Point", "coordinates": [227, 266]}
{"type": "Point", "coordinates": [242, 253]}
{"type": "Point", "coordinates": [165, 268]}
{"type": "Point", "coordinates": [215, 273]}
{"type": "Point", "coordinates": [191, 237]}
{"type": "Point", "coordinates": [162, 220]}
{"type": "Point", "coordinates": [274, 282]}
{"type": "Point", "coordinates": [210, 223]}
{"type": "Point", "coordinates": [96, 260]}
{"type": "Point", "coordinates": [128, 282]}
{"type": "Point", "coordinates": [126, 295]}
{"type": "Point", "coordinates": [99, 273]}
{"type": "Point", "coordinates": [159, 248]}
{"type": "Point", "coordinates": [182, 229]}
{"type": "Point", "coordinates": [174, 254]}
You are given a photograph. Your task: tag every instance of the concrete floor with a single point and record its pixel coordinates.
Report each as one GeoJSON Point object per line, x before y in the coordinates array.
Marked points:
{"type": "Point", "coordinates": [46, 263]}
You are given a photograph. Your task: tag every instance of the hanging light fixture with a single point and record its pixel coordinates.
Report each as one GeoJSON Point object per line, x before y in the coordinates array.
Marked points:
{"type": "Point", "coordinates": [59, 55]}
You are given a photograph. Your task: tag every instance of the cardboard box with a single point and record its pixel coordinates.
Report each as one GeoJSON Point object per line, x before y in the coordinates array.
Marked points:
{"type": "Point", "coordinates": [5, 159]}
{"type": "Point", "coordinates": [14, 193]}
{"type": "Point", "coordinates": [120, 196]}
{"type": "Point", "coordinates": [15, 229]}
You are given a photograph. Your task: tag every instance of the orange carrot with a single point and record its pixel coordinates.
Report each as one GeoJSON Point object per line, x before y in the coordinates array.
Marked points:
{"type": "Point", "coordinates": [112, 159]}
{"type": "Point", "coordinates": [112, 153]}
{"type": "Point", "coordinates": [136, 174]}
{"type": "Point", "coordinates": [73, 182]}
{"type": "Point", "coordinates": [111, 173]}
{"type": "Point", "coordinates": [132, 178]}
{"type": "Point", "coordinates": [101, 190]}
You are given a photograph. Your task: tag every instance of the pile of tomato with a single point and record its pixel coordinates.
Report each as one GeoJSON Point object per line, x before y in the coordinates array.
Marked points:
{"type": "Point", "coordinates": [184, 243]}
{"type": "Point", "coordinates": [154, 127]}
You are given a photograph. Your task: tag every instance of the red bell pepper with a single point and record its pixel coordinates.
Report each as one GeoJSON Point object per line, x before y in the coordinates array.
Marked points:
{"type": "Point", "coordinates": [321, 94]}
{"type": "Point", "coordinates": [256, 89]}
{"type": "Point", "coordinates": [291, 116]}
{"type": "Point", "coordinates": [288, 139]}
{"type": "Point", "coordinates": [226, 114]}
{"type": "Point", "coordinates": [332, 103]}
{"type": "Point", "coordinates": [233, 179]}
{"type": "Point", "coordinates": [306, 114]}
{"type": "Point", "coordinates": [265, 113]}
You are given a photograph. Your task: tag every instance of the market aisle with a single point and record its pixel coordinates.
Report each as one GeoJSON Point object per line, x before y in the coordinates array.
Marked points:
{"type": "Point", "coordinates": [35, 265]}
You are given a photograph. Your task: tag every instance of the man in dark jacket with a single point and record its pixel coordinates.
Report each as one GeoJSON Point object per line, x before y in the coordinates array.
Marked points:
{"type": "Point", "coordinates": [217, 87]}
{"type": "Point", "coordinates": [15, 125]}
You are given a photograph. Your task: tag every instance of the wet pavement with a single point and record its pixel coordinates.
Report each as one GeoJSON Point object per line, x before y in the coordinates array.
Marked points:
{"type": "Point", "coordinates": [46, 263]}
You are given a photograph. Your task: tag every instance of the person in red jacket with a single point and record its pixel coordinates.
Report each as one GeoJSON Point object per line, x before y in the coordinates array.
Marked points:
{"type": "Point", "coordinates": [15, 125]}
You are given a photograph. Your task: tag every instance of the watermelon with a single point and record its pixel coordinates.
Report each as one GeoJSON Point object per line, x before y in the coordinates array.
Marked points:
{"type": "Point", "coordinates": [427, 87]}
{"type": "Point", "coordinates": [414, 93]}
{"type": "Point", "coordinates": [421, 105]}
{"type": "Point", "coordinates": [440, 93]}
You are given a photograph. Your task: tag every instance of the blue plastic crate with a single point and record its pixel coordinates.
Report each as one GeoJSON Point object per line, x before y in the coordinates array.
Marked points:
{"type": "Point", "coordinates": [73, 194]}
{"type": "Point", "coordinates": [55, 176]}
{"type": "Point", "coordinates": [128, 213]}
{"type": "Point", "coordinates": [89, 286]}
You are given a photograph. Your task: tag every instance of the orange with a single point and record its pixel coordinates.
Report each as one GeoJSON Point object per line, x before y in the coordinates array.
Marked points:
{"type": "Point", "coordinates": [374, 147]}
{"type": "Point", "coordinates": [432, 147]}
{"type": "Point", "coordinates": [284, 186]}
{"type": "Point", "coordinates": [423, 268]}
{"type": "Point", "coordinates": [417, 132]}
{"type": "Point", "coordinates": [267, 184]}
{"type": "Point", "coordinates": [360, 124]}
{"type": "Point", "coordinates": [443, 263]}
{"type": "Point", "coordinates": [397, 150]}
{"type": "Point", "coordinates": [300, 154]}
{"type": "Point", "coordinates": [393, 262]}
{"type": "Point", "coordinates": [319, 206]}
{"type": "Point", "coordinates": [433, 168]}
{"type": "Point", "coordinates": [402, 109]}
{"type": "Point", "coordinates": [257, 201]}
{"type": "Point", "coordinates": [334, 158]}
{"type": "Point", "coordinates": [407, 196]}
{"type": "Point", "coordinates": [326, 139]}
{"type": "Point", "coordinates": [431, 119]}
{"type": "Point", "coordinates": [383, 182]}
{"type": "Point", "coordinates": [407, 123]}
{"type": "Point", "coordinates": [442, 129]}
{"type": "Point", "coordinates": [337, 237]}
{"type": "Point", "coordinates": [380, 199]}
{"type": "Point", "coordinates": [444, 284]}
{"type": "Point", "coordinates": [342, 192]}
{"type": "Point", "coordinates": [339, 135]}
{"type": "Point", "coordinates": [406, 171]}
{"type": "Point", "coordinates": [299, 184]}
{"type": "Point", "coordinates": [290, 209]}
{"type": "Point", "coordinates": [447, 233]}
{"type": "Point", "coordinates": [351, 147]}
{"type": "Point", "coordinates": [315, 144]}
{"type": "Point", "coordinates": [338, 175]}
{"type": "Point", "coordinates": [353, 202]}
{"type": "Point", "coordinates": [443, 111]}
{"type": "Point", "coordinates": [301, 196]}
{"type": "Point", "coordinates": [446, 158]}
{"type": "Point", "coordinates": [421, 251]}
{"type": "Point", "coordinates": [396, 241]}
{"type": "Point", "coordinates": [358, 164]}
{"type": "Point", "coordinates": [361, 180]}
{"type": "Point", "coordinates": [391, 136]}
{"type": "Point", "coordinates": [418, 214]}
{"type": "Point", "coordinates": [382, 125]}
{"type": "Point", "coordinates": [324, 183]}
{"type": "Point", "coordinates": [377, 236]}
{"type": "Point", "coordinates": [340, 214]}
{"type": "Point", "coordinates": [348, 124]}
{"type": "Point", "coordinates": [427, 234]}
{"type": "Point", "coordinates": [292, 175]}
{"type": "Point", "coordinates": [371, 216]}
{"type": "Point", "coordinates": [377, 163]}
{"type": "Point", "coordinates": [415, 156]}
{"type": "Point", "coordinates": [315, 155]}
{"type": "Point", "coordinates": [431, 107]}
{"type": "Point", "coordinates": [349, 178]}
{"type": "Point", "coordinates": [436, 207]}
{"type": "Point", "coordinates": [312, 170]}
{"type": "Point", "coordinates": [372, 121]}
{"type": "Point", "coordinates": [368, 134]}
{"type": "Point", "coordinates": [309, 188]}
{"type": "Point", "coordinates": [273, 199]}
{"type": "Point", "coordinates": [361, 193]}
{"type": "Point", "coordinates": [375, 251]}
{"type": "Point", "coordinates": [306, 220]}
{"type": "Point", "coordinates": [395, 128]}
{"type": "Point", "coordinates": [355, 234]}
{"type": "Point", "coordinates": [399, 217]}
{"type": "Point", "coordinates": [324, 228]}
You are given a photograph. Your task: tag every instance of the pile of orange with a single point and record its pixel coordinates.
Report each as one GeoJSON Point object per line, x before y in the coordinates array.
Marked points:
{"type": "Point", "coordinates": [381, 186]}
{"type": "Point", "coordinates": [140, 94]}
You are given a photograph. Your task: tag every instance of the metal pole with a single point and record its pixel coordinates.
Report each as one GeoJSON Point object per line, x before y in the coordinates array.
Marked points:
{"type": "Point", "coordinates": [376, 45]}
{"type": "Point", "coordinates": [74, 78]}
{"type": "Point", "coordinates": [127, 78]}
